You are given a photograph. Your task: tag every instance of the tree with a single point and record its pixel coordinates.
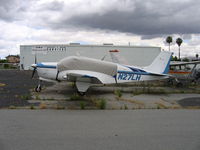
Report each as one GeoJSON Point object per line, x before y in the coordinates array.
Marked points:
{"type": "Point", "coordinates": [186, 59]}
{"type": "Point", "coordinates": [175, 58]}
{"type": "Point", "coordinates": [169, 40]}
{"type": "Point", "coordinates": [197, 56]}
{"type": "Point", "coordinates": [179, 41]}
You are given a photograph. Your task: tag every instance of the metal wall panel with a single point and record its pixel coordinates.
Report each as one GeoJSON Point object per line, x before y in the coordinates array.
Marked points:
{"type": "Point", "coordinates": [135, 55]}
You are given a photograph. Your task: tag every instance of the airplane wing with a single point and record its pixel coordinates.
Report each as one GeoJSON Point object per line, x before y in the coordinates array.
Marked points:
{"type": "Point", "coordinates": [84, 79]}
{"type": "Point", "coordinates": [87, 76]}
{"type": "Point", "coordinates": [183, 63]}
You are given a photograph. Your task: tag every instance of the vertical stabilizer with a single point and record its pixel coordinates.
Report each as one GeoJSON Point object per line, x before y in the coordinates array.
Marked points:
{"type": "Point", "coordinates": [116, 58]}
{"type": "Point", "coordinates": [161, 63]}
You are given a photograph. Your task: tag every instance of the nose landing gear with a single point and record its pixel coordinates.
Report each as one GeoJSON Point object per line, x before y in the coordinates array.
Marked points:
{"type": "Point", "coordinates": [38, 88]}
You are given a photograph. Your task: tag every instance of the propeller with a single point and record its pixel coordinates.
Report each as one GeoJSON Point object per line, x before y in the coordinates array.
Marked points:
{"type": "Point", "coordinates": [57, 75]}
{"type": "Point", "coordinates": [34, 70]}
{"type": "Point", "coordinates": [34, 66]}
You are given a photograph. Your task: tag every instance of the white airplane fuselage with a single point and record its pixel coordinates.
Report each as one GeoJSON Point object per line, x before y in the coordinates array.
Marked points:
{"type": "Point", "coordinates": [48, 72]}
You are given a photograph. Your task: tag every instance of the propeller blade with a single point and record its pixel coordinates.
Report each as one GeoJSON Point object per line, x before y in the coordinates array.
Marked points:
{"type": "Point", "coordinates": [33, 72]}
{"type": "Point", "coordinates": [34, 66]}
{"type": "Point", "coordinates": [57, 75]}
{"type": "Point", "coordinates": [35, 59]}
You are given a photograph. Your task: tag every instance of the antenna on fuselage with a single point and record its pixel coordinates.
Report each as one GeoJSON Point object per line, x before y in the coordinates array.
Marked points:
{"type": "Point", "coordinates": [103, 57]}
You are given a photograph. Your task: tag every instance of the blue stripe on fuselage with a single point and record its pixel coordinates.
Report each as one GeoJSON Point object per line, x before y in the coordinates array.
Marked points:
{"type": "Point", "coordinates": [40, 65]}
{"type": "Point", "coordinates": [132, 72]}
{"type": "Point", "coordinates": [136, 69]}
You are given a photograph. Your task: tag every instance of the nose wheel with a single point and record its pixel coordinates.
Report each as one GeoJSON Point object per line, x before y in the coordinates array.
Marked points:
{"type": "Point", "coordinates": [38, 88]}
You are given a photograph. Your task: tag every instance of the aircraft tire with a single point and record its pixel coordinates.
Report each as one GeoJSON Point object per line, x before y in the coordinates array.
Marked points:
{"type": "Point", "coordinates": [179, 84]}
{"type": "Point", "coordinates": [38, 88]}
{"type": "Point", "coordinates": [81, 93]}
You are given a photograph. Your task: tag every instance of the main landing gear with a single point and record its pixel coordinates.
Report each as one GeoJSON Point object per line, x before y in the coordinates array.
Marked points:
{"type": "Point", "coordinates": [81, 93]}
{"type": "Point", "coordinates": [82, 87]}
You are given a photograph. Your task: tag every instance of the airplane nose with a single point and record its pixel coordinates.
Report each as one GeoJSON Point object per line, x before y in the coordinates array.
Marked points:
{"type": "Point", "coordinates": [34, 65]}
{"type": "Point", "coordinates": [65, 77]}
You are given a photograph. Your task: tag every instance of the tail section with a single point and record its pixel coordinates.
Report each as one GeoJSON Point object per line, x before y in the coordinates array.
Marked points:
{"type": "Point", "coordinates": [116, 58]}
{"type": "Point", "coordinates": [161, 63]}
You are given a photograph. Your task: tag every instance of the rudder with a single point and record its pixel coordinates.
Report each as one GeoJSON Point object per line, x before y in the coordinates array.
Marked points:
{"type": "Point", "coordinates": [161, 63]}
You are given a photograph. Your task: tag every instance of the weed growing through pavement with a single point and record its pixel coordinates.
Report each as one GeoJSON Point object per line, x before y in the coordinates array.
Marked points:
{"type": "Point", "coordinates": [158, 106]}
{"type": "Point", "coordinates": [125, 107]}
{"type": "Point", "coordinates": [25, 97]}
{"type": "Point", "coordinates": [37, 97]}
{"type": "Point", "coordinates": [101, 104]}
{"type": "Point", "coordinates": [32, 106]}
{"type": "Point", "coordinates": [75, 97]}
{"type": "Point", "coordinates": [118, 93]}
{"type": "Point", "coordinates": [82, 105]}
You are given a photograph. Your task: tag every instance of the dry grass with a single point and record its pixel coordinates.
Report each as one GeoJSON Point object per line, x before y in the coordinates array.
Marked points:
{"type": "Point", "coordinates": [132, 101]}
{"type": "Point", "coordinates": [2, 84]}
{"type": "Point", "coordinates": [161, 105]}
{"type": "Point", "coordinates": [42, 106]}
{"type": "Point", "coordinates": [192, 107]}
{"type": "Point", "coordinates": [175, 107]}
{"type": "Point", "coordinates": [59, 107]}
{"type": "Point", "coordinates": [12, 107]}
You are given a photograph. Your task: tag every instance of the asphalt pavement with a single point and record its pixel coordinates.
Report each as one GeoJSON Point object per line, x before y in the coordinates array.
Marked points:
{"type": "Point", "coordinates": [15, 86]}
{"type": "Point", "coordinates": [95, 129]}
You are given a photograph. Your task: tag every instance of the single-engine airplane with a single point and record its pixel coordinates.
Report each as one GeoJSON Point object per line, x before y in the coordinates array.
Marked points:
{"type": "Point", "coordinates": [87, 71]}
{"type": "Point", "coordinates": [184, 72]}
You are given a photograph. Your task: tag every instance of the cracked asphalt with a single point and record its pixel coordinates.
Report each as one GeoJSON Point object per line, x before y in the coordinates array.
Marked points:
{"type": "Point", "coordinates": [15, 84]}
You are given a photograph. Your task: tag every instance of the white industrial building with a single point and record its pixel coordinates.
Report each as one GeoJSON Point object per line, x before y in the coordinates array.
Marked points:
{"type": "Point", "coordinates": [135, 55]}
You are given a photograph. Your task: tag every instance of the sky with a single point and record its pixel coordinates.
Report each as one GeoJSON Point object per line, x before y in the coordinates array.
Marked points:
{"type": "Point", "coordinates": [138, 22]}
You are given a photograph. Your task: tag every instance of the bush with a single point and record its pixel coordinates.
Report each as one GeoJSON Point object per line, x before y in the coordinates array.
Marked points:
{"type": "Point", "coordinates": [6, 66]}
